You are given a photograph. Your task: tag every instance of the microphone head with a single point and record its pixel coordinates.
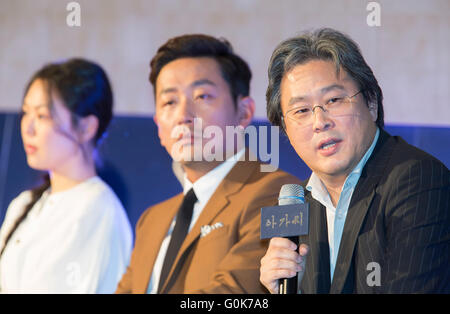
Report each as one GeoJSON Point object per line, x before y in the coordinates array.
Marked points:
{"type": "Point", "coordinates": [291, 194]}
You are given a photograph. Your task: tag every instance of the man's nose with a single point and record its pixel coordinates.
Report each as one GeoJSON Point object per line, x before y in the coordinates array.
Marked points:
{"type": "Point", "coordinates": [322, 119]}
{"type": "Point", "coordinates": [186, 111]}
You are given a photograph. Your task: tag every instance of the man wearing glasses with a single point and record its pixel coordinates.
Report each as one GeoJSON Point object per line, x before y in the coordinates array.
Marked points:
{"type": "Point", "coordinates": [379, 207]}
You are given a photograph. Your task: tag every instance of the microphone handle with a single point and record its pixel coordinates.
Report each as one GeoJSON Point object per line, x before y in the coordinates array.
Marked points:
{"type": "Point", "coordinates": [289, 285]}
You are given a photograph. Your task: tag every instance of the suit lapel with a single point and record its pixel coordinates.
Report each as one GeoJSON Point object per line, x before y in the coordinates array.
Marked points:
{"type": "Point", "coordinates": [153, 239]}
{"type": "Point", "coordinates": [317, 274]}
{"type": "Point", "coordinates": [355, 216]}
{"type": "Point", "coordinates": [230, 185]}
{"type": "Point", "coordinates": [360, 202]}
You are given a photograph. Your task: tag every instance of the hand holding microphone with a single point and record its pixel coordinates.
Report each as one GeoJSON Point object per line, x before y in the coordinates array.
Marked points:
{"type": "Point", "coordinates": [282, 261]}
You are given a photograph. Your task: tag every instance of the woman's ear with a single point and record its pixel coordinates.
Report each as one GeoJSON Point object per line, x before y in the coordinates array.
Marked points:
{"type": "Point", "coordinates": [246, 110]}
{"type": "Point", "coordinates": [87, 128]}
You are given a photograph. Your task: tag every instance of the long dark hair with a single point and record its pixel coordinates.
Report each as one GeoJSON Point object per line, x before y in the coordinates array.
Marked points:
{"type": "Point", "coordinates": [85, 90]}
{"type": "Point", "coordinates": [35, 196]}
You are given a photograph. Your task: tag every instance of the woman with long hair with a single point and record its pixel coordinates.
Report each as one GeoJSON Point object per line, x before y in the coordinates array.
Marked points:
{"type": "Point", "coordinates": [70, 235]}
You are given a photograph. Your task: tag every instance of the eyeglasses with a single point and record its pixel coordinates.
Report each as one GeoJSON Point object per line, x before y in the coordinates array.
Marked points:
{"type": "Point", "coordinates": [336, 106]}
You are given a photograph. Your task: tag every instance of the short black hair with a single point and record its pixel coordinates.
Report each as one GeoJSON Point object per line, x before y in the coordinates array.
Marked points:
{"type": "Point", "coordinates": [235, 71]}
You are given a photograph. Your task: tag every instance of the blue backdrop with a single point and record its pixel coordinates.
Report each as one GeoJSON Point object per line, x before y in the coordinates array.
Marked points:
{"type": "Point", "coordinates": [139, 169]}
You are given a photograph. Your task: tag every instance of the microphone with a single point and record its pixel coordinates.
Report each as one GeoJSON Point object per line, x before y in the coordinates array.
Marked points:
{"type": "Point", "coordinates": [289, 219]}
{"type": "Point", "coordinates": [291, 194]}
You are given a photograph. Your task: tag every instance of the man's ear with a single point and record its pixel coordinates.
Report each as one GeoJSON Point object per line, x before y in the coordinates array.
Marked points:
{"type": "Point", "coordinates": [87, 128]}
{"type": "Point", "coordinates": [373, 109]}
{"type": "Point", "coordinates": [246, 110]}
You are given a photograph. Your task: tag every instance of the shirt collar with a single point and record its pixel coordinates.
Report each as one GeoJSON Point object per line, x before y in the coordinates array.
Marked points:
{"type": "Point", "coordinates": [319, 191]}
{"type": "Point", "coordinates": [367, 155]}
{"type": "Point", "coordinates": [58, 195]}
{"type": "Point", "coordinates": [207, 184]}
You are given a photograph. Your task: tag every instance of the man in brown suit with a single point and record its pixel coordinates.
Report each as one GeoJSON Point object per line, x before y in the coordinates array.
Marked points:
{"type": "Point", "coordinates": [206, 239]}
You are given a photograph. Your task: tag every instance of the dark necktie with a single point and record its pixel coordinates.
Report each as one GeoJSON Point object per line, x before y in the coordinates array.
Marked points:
{"type": "Point", "coordinates": [179, 233]}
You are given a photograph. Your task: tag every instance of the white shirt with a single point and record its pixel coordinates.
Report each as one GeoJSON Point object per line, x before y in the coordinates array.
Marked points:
{"type": "Point", "coordinates": [336, 216]}
{"type": "Point", "coordinates": [75, 241]}
{"type": "Point", "coordinates": [204, 188]}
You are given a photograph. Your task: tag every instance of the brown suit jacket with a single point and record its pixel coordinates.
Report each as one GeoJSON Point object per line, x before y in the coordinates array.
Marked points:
{"type": "Point", "coordinates": [227, 259]}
